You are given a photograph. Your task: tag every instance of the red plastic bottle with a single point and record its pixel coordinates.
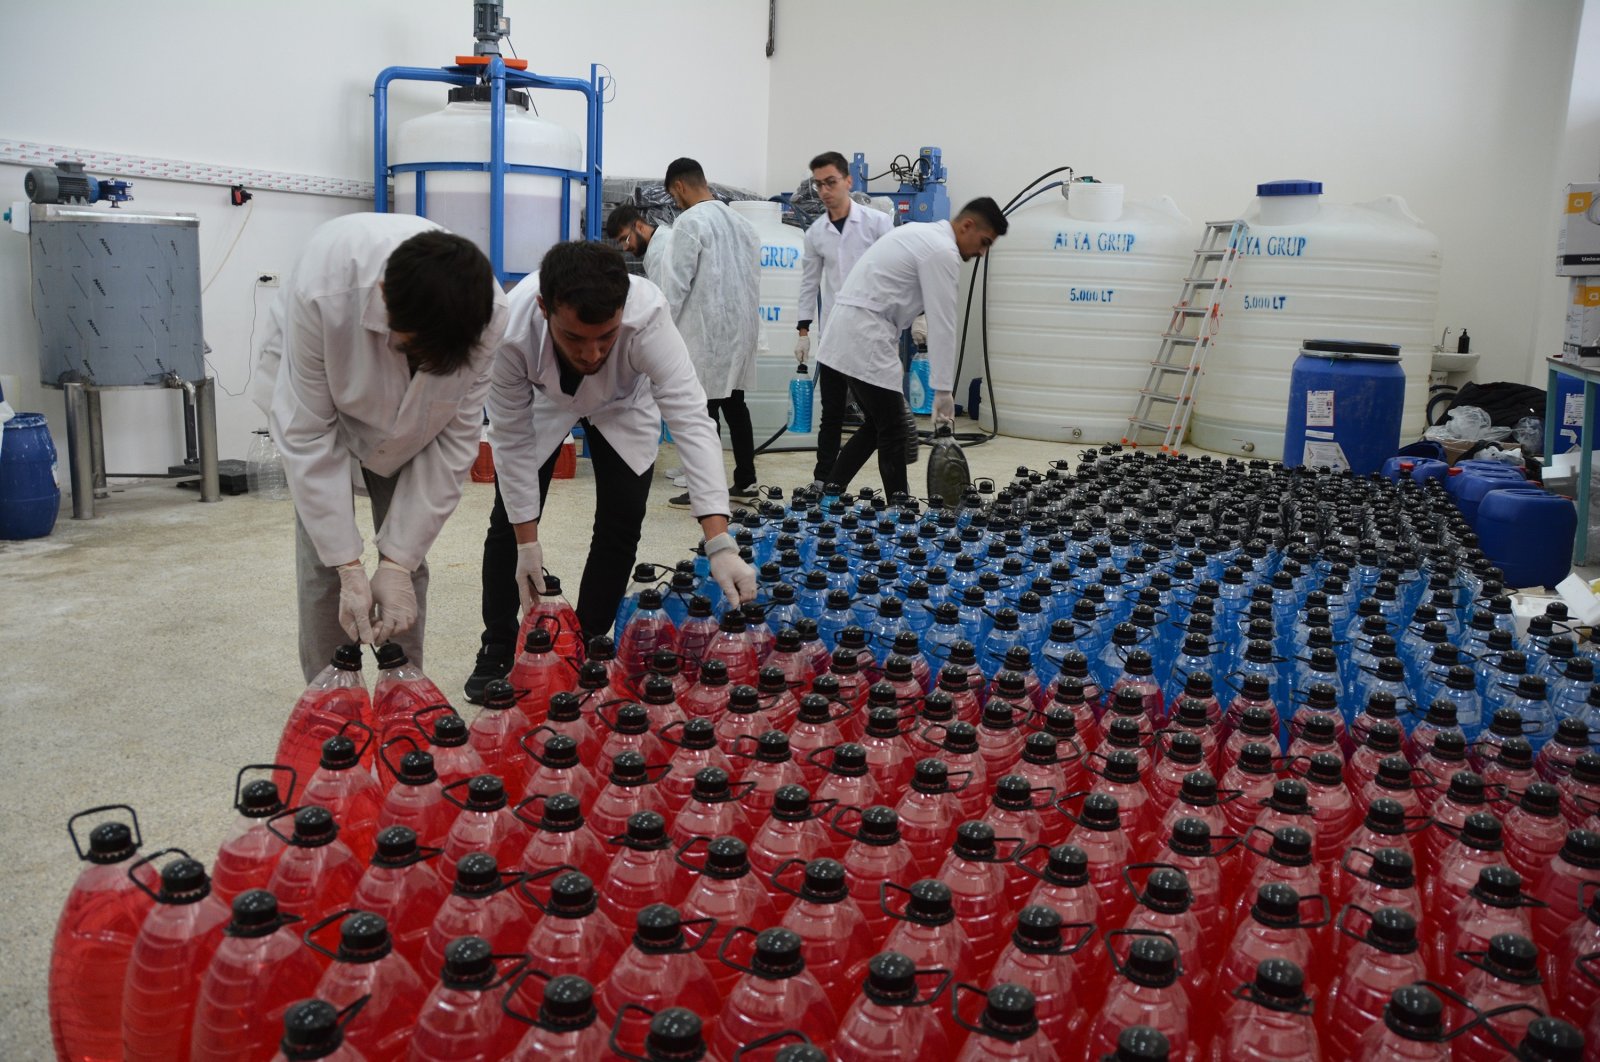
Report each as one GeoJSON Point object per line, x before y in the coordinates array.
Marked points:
{"type": "Point", "coordinates": [1382, 878]}
{"type": "Point", "coordinates": [627, 728]}
{"type": "Point", "coordinates": [602, 650]}
{"type": "Point", "coordinates": [560, 836]}
{"type": "Point", "coordinates": [1464, 796]}
{"type": "Point", "coordinates": [1580, 790]}
{"type": "Point", "coordinates": [906, 670]}
{"type": "Point", "coordinates": [631, 788]}
{"type": "Point", "coordinates": [1071, 695]}
{"type": "Point", "coordinates": [1562, 886]}
{"type": "Point", "coordinates": [1190, 848]}
{"type": "Point", "coordinates": [777, 696]}
{"type": "Point", "coordinates": [574, 935]}
{"type": "Point", "coordinates": [892, 1019]}
{"type": "Point", "coordinates": [415, 799]}
{"type": "Point", "coordinates": [169, 956]}
{"type": "Point", "coordinates": [733, 645]}
{"type": "Point", "coordinates": [773, 994]}
{"type": "Point", "coordinates": [888, 752]}
{"type": "Point", "coordinates": [648, 631]}
{"type": "Point", "coordinates": [1000, 733]}
{"type": "Point", "coordinates": [344, 784]}
{"type": "Point", "coordinates": [1123, 734]}
{"type": "Point", "coordinates": [928, 933]}
{"type": "Point", "coordinates": [1560, 754]}
{"type": "Point", "coordinates": [713, 809]}
{"type": "Point", "coordinates": [694, 745]}
{"type": "Point", "coordinates": [847, 781]}
{"type": "Point", "coordinates": [661, 968]}
{"type": "Point", "coordinates": [1064, 885]}
{"type": "Point", "coordinates": [484, 904]}
{"type": "Point", "coordinates": [927, 726]}
{"type": "Point", "coordinates": [1504, 975]}
{"type": "Point", "coordinates": [876, 855]}
{"type": "Point", "coordinates": [485, 822]}
{"type": "Point", "coordinates": [642, 872]}
{"type": "Point", "coordinates": [1252, 777]}
{"type": "Point", "coordinates": [1333, 806]}
{"type": "Point", "coordinates": [790, 656]}
{"type": "Point", "coordinates": [257, 971]}
{"type": "Point", "coordinates": [1495, 905]}
{"type": "Point", "coordinates": [928, 814]}
{"type": "Point", "coordinates": [402, 887]}
{"type": "Point", "coordinates": [1378, 743]}
{"type": "Point", "coordinates": [1181, 753]}
{"type": "Point", "coordinates": [1289, 804]}
{"type": "Point", "coordinates": [708, 697]}
{"type": "Point", "coordinates": [1007, 1029]}
{"type": "Point", "coordinates": [1119, 777]}
{"type": "Point", "coordinates": [816, 726]}
{"type": "Point", "coordinates": [540, 671]}
{"type": "Point", "coordinates": [1394, 782]}
{"type": "Point", "coordinates": [596, 692]}
{"type": "Point", "coordinates": [462, 1018]}
{"type": "Point", "coordinates": [831, 927]}
{"type": "Point", "coordinates": [1317, 726]}
{"type": "Point", "coordinates": [739, 715]}
{"type": "Point", "coordinates": [313, 1028]}
{"type": "Point", "coordinates": [1199, 798]}
{"type": "Point", "coordinates": [1385, 954]}
{"type": "Point", "coordinates": [974, 871]}
{"type": "Point", "coordinates": [1041, 960]}
{"type": "Point", "coordinates": [670, 666]}
{"type": "Point", "coordinates": [1270, 1019]}
{"type": "Point", "coordinates": [1572, 967]}
{"type": "Point", "coordinates": [793, 833]}
{"type": "Point", "coordinates": [1016, 813]}
{"type": "Point", "coordinates": [1146, 993]}
{"type": "Point", "coordinates": [1099, 834]}
{"type": "Point", "coordinates": [1535, 832]}
{"type": "Point", "coordinates": [959, 751]}
{"type": "Point", "coordinates": [1254, 702]}
{"type": "Point", "coordinates": [768, 762]}
{"type": "Point", "coordinates": [246, 858]}
{"type": "Point", "coordinates": [1287, 859]}
{"type": "Point", "coordinates": [1163, 906]}
{"type": "Point", "coordinates": [660, 700]}
{"type": "Point", "coordinates": [1048, 762]}
{"type": "Point", "coordinates": [450, 745]}
{"type": "Point", "coordinates": [850, 668]}
{"type": "Point", "coordinates": [1202, 717]}
{"type": "Point", "coordinates": [1385, 826]}
{"type": "Point", "coordinates": [723, 890]}
{"type": "Point", "coordinates": [317, 873]}
{"type": "Point", "coordinates": [496, 734]}
{"type": "Point", "coordinates": [556, 768]}
{"type": "Point", "coordinates": [1444, 758]}
{"type": "Point", "coordinates": [1274, 928]}
{"type": "Point", "coordinates": [336, 696]}
{"type": "Point", "coordinates": [1510, 773]}
{"type": "Point", "coordinates": [401, 691]}
{"type": "Point", "coordinates": [1478, 846]}
{"type": "Point", "coordinates": [566, 1026]}
{"type": "Point", "coordinates": [555, 614]}
{"type": "Point", "coordinates": [94, 938]}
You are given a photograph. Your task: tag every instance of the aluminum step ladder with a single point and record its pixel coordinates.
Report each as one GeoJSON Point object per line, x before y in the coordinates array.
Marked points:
{"type": "Point", "coordinates": [1167, 398]}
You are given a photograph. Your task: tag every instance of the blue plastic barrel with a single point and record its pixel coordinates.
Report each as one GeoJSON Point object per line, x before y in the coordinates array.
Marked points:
{"type": "Point", "coordinates": [1476, 480]}
{"type": "Point", "coordinates": [1345, 404]}
{"type": "Point", "coordinates": [29, 494]}
{"type": "Point", "coordinates": [1528, 533]}
{"type": "Point", "coordinates": [1419, 469]}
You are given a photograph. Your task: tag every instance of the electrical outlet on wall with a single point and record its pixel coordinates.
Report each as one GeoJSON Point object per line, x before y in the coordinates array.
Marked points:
{"type": "Point", "coordinates": [266, 280]}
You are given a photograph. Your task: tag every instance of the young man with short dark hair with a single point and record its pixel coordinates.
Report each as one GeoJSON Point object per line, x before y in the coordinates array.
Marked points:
{"type": "Point", "coordinates": [376, 357]}
{"type": "Point", "coordinates": [712, 282]}
{"type": "Point", "coordinates": [915, 269]}
{"type": "Point", "coordinates": [588, 343]}
{"type": "Point", "coordinates": [651, 244]}
{"type": "Point", "coordinates": [834, 243]}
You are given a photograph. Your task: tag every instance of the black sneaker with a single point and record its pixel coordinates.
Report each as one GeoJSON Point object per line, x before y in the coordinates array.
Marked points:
{"type": "Point", "coordinates": [745, 493]}
{"type": "Point", "coordinates": [493, 663]}
{"type": "Point", "coordinates": [679, 502]}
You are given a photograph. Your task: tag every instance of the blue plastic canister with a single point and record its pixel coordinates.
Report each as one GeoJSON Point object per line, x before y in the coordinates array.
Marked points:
{"type": "Point", "coordinates": [1419, 469]}
{"type": "Point", "coordinates": [1472, 484]}
{"type": "Point", "coordinates": [1528, 532]}
{"type": "Point", "coordinates": [29, 493]}
{"type": "Point", "coordinates": [800, 396]}
{"type": "Point", "coordinates": [1345, 403]}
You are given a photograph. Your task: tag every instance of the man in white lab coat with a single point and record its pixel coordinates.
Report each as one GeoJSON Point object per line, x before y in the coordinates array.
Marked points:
{"type": "Point", "coordinates": [374, 370]}
{"type": "Point", "coordinates": [651, 244]}
{"type": "Point", "coordinates": [834, 243]}
{"type": "Point", "coordinates": [915, 269]}
{"type": "Point", "coordinates": [587, 343]}
{"type": "Point", "coordinates": [712, 282]}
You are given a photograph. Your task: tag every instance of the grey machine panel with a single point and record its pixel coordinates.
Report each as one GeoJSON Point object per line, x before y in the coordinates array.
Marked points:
{"type": "Point", "coordinates": [116, 295]}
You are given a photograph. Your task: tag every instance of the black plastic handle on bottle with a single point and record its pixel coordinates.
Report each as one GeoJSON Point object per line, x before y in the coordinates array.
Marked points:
{"type": "Point", "coordinates": [83, 853]}
{"type": "Point", "coordinates": [1061, 804]}
{"type": "Point", "coordinates": [461, 784]}
{"type": "Point", "coordinates": [537, 756]}
{"type": "Point", "coordinates": [310, 934]}
{"type": "Point", "coordinates": [417, 716]}
{"type": "Point", "coordinates": [1021, 855]}
{"type": "Point", "coordinates": [1316, 923]}
{"type": "Point", "coordinates": [771, 1040]}
{"type": "Point", "coordinates": [1341, 924]}
{"type": "Point", "coordinates": [398, 739]}
{"type": "Point", "coordinates": [270, 768]}
{"type": "Point", "coordinates": [600, 709]}
{"type": "Point", "coordinates": [886, 887]}
{"type": "Point", "coordinates": [515, 986]}
{"type": "Point", "coordinates": [133, 869]}
{"type": "Point", "coordinates": [524, 887]}
{"type": "Point", "coordinates": [359, 725]}
{"type": "Point", "coordinates": [722, 950]}
{"type": "Point", "coordinates": [679, 855]}
{"type": "Point", "coordinates": [955, 1010]}
{"type": "Point", "coordinates": [1301, 1004]}
{"type": "Point", "coordinates": [1466, 1004]}
{"type": "Point", "coordinates": [1130, 869]}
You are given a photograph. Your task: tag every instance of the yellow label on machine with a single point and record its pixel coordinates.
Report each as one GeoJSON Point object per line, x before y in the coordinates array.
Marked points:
{"type": "Point", "coordinates": [1579, 202]}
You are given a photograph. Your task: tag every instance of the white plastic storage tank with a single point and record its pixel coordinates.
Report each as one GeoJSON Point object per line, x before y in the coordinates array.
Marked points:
{"type": "Point", "coordinates": [782, 247]}
{"type": "Point", "coordinates": [1080, 291]}
{"type": "Point", "coordinates": [1310, 269]}
{"type": "Point", "coordinates": [459, 200]}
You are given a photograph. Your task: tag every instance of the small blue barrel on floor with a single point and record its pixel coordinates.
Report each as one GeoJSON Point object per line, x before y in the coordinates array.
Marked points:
{"type": "Point", "coordinates": [1419, 469]}
{"type": "Point", "coordinates": [1528, 533]}
{"type": "Point", "coordinates": [29, 494]}
{"type": "Point", "coordinates": [1345, 403]}
{"type": "Point", "coordinates": [1475, 483]}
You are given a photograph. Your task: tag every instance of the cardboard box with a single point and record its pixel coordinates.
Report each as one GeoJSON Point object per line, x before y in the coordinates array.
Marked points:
{"type": "Point", "coordinates": [1581, 345]}
{"type": "Point", "coordinates": [1578, 248]}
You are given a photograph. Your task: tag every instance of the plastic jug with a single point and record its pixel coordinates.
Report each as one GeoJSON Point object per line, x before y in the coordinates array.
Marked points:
{"type": "Point", "coordinates": [632, 787]}
{"type": "Point", "coordinates": [565, 1026]}
{"type": "Point", "coordinates": [560, 836]}
{"type": "Point", "coordinates": [793, 833]}
{"type": "Point", "coordinates": [830, 925]}
{"type": "Point", "coordinates": [1383, 956]}
{"type": "Point", "coordinates": [461, 1017]}
{"type": "Point", "coordinates": [416, 798]}
{"type": "Point", "coordinates": [317, 872]}
{"type": "Point", "coordinates": [1007, 1029]}
{"type": "Point", "coordinates": [251, 850]}
{"type": "Point", "coordinates": [485, 824]}
{"type": "Point", "coordinates": [712, 809]}
{"type": "Point", "coordinates": [495, 735]}
{"type": "Point", "coordinates": [894, 1017]}
{"type": "Point", "coordinates": [400, 692]}
{"type": "Point", "coordinates": [539, 671]}
{"type": "Point", "coordinates": [573, 934]}
{"type": "Point", "coordinates": [344, 784]}
{"type": "Point", "coordinates": [1146, 992]}
{"type": "Point", "coordinates": [775, 993]}
{"type": "Point", "coordinates": [257, 971]}
{"type": "Point", "coordinates": [336, 696]}
{"type": "Point", "coordinates": [726, 894]}
{"type": "Point", "coordinates": [450, 745]}
{"type": "Point", "coordinates": [1505, 975]}
{"type": "Point", "coordinates": [642, 872]}
{"type": "Point", "coordinates": [974, 872]}
{"type": "Point", "coordinates": [929, 812]}
{"type": "Point", "coordinates": [314, 1028]}
{"type": "Point", "coordinates": [482, 904]}
{"type": "Point", "coordinates": [1270, 1018]}
{"type": "Point", "coordinates": [877, 854]}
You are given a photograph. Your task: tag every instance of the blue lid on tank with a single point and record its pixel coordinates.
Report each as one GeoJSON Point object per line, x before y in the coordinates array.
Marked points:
{"type": "Point", "coordinates": [1289, 188]}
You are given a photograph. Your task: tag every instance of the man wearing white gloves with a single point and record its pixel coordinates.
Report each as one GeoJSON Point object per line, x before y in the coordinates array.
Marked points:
{"type": "Point", "coordinates": [588, 343]}
{"type": "Point", "coordinates": [373, 372]}
{"type": "Point", "coordinates": [915, 269]}
{"type": "Point", "coordinates": [834, 243]}
{"type": "Point", "coordinates": [712, 282]}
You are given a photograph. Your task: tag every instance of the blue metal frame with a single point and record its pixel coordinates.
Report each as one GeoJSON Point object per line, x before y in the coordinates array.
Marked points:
{"type": "Point", "coordinates": [923, 200]}
{"type": "Point", "coordinates": [498, 78]}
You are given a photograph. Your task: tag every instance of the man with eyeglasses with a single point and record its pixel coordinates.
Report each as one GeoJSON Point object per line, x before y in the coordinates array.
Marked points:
{"type": "Point", "coordinates": [651, 244]}
{"type": "Point", "coordinates": [834, 243]}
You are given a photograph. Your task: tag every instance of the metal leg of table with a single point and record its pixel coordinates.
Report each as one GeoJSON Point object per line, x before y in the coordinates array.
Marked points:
{"type": "Point", "coordinates": [97, 444]}
{"type": "Point", "coordinates": [80, 460]}
{"type": "Point", "coordinates": [205, 403]}
{"type": "Point", "coordinates": [1550, 386]}
{"type": "Point", "coordinates": [1580, 549]}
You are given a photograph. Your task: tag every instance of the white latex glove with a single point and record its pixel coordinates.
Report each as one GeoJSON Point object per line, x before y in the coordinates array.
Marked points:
{"type": "Point", "coordinates": [944, 407]}
{"type": "Point", "coordinates": [355, 603]}
{"type": "Point", "coordinates": [802, 347]}
{"type": "Point", "coordinates": [530, 573]}
{"type": "Point", "coordinates": [396, 599]}
{"type": "Point", "coordinates": [735, 578]}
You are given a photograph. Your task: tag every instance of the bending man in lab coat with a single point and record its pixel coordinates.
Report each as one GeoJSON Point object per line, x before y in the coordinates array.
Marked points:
{"type": "Point", "coordinates": [588, 343]}
{"type": "Point", "coordinates": [834, 243]}
{"type": "Point", "coordinates": [915, 269]}
{"type": "Point", "coordinates": [712, 282]}
{"type": "Point", "coordinates": [377, 359]}
{"type": "Point", "coordinates": [651, 244]}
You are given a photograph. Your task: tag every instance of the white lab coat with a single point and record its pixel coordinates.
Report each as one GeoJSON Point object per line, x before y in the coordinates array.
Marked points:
{"type": "Point", "coordinates": [831, 254]}
{"type": "Point", "coordinates": [648, 377]}
{"type": "Point", "coordinates": [656, 255]}
{"type": "Point", "coordinates": [712, 282]}
{"type": "Point", "coordinates": [915, 269]}
{"type": "Point", "coordinates": [340, 393]}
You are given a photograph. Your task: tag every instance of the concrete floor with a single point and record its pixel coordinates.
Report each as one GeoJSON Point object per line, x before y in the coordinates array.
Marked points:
{"type": "Point", "coordinates": [150, 653]}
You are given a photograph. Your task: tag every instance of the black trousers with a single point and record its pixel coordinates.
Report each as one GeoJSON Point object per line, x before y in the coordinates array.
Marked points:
{"type": "Point", "coordinates": [737, 414]}
{"type": "Point", "coordinates": [883, 429]}
{"type": "Point", "coordinates": [833, 391]}
{"type": "Point", "coordinates": [621, 498]}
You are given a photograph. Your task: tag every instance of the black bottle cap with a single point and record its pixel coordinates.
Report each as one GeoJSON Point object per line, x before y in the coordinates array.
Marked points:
{"type": "Point", "coordinates": [255, 914]}
{"type": "Point", "coordinates": [476, 873]}
{"type": "Point", "coordinates": [468, 963]}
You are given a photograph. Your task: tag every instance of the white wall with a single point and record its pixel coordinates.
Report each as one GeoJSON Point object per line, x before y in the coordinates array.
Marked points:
{"type": "Point", "coordinates": [1456, 105]}
{"type": "Point", "coordinates": [286, 86]}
